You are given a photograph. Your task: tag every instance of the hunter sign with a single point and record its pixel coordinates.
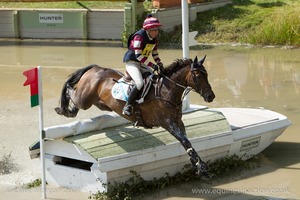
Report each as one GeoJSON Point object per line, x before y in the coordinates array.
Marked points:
{"type": "Point", "coordinates": [51, 18]}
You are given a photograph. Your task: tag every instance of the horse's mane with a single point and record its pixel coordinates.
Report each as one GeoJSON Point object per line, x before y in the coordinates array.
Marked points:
{"type": "Point", "coordinates": [176, 66]}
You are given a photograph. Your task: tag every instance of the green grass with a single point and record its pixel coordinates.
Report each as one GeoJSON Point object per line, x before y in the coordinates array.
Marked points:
{"type": "Point", "coordinates": [257, 22]}
{"type": "Point", "coordinates": [66, 4]}
{"type": "Point", "coordinates": [262, 22]}
{"type": "Point", "coordinates": [33, 184]}
{"type": "Point", "coordinates": [282, 28]}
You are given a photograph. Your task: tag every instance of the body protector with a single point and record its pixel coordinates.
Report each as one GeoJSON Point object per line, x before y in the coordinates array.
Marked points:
{"type": "Point", "coordinates": [147, 46]}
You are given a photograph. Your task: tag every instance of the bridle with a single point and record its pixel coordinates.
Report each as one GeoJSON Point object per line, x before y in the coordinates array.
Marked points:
{"type": "Point", "coordinates": [187, 89]}
{"type": "Point", "coordinates": [196, 81]}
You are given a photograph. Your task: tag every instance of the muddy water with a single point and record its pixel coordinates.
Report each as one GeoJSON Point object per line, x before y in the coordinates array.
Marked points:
{"type": "Point", "coordinates": [240, 77]}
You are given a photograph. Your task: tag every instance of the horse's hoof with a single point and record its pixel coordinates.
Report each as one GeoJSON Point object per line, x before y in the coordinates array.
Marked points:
{"type": "Point", "coordinates": [66, 114]}
{"type": "Point", "coordinates": [58, 110]}
{"type": "Point", "coordinates": [204, 175]}
{"type": "Point", "coordinates": [203, 171]}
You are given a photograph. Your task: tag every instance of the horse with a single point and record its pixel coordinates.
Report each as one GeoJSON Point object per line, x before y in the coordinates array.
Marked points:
{"type": "Point", "coordinates": [162, 106]}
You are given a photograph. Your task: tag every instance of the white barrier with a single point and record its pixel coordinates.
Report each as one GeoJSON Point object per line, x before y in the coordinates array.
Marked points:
{"type": "Point", "coordinates": [84, 126]}
{"type": "Point", "coordinates": [88, 154]}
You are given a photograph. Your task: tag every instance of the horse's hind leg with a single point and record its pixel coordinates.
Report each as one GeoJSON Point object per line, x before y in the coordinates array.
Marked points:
{"type": "Point", "coordinates": [68, 107]}
{"type": "Point", "coordinates": [73, 110]}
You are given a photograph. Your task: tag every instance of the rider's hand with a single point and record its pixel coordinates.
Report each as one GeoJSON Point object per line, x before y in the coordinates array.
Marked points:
{"type": "Point", "coordinates": [158, 68]}
{"type": "Point", "coordinates": [155, 67]}
{"type": "Point", "coordinates": [161, 66]}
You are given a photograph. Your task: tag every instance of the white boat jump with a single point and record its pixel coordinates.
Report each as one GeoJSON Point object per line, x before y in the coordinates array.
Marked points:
{"type": "Point", "coordinates": [88, 154]}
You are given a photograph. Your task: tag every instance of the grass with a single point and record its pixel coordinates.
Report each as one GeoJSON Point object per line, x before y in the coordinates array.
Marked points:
{"type": "Point", "coordinates": [66, 4]}
{"type": "Point", "coordinates": [33, 184]}
{"type": "Point", "coordinates": [261, 22]}
{"type": "Point", "coordinates": [282, 28]}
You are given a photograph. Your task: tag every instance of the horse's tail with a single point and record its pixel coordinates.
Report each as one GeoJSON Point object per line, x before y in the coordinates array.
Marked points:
{"type": "Point", "coordinates": [66, 108]}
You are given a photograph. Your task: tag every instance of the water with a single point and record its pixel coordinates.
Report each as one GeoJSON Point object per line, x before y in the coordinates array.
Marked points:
{"type": "Point", "coordinates": [240, 77]}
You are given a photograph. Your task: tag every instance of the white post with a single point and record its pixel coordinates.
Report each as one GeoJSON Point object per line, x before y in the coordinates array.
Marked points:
{"type": "Point", "coordinates": [41, 130]}
{"type": "Point", "coordinates": [185, 28]}
{"type": "Point", "coordinates": [185, 40]}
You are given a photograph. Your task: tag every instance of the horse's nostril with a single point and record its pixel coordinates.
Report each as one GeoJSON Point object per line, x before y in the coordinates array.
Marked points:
{"type": "Point", "coordinates": [213, 96]}
{"type": "Point", "coordinates": [210, 97]}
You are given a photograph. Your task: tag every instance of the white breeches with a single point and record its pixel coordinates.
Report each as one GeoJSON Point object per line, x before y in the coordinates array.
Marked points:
{"type": "Point", "coordinates": [135, 70]}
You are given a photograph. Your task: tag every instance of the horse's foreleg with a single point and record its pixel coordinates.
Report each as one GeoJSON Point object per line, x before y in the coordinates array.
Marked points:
{"type": "Point", "coordinates": [178, 131]}
{"type": "Point", "coordinates": [198, 164]}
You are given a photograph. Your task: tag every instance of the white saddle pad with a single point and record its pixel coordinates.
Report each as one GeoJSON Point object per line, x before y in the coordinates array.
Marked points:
{"type": "Point", "coordinates": [120, 90]}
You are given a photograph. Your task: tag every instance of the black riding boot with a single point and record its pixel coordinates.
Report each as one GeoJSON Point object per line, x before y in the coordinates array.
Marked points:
{"type": "Point", "coordinates": [127, 110]}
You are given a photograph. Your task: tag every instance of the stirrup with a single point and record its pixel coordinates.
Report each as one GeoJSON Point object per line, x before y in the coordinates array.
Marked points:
{"type": "Point", "coordinates": [127, 110]}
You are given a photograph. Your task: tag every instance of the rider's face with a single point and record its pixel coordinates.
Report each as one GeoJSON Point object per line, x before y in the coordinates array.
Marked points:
{"type": "Point", "coordinates": [153, 33]}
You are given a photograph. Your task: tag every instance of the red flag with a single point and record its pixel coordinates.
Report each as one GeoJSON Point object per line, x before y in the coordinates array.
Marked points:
{"type": "Point", "coordinates": [32, 80]}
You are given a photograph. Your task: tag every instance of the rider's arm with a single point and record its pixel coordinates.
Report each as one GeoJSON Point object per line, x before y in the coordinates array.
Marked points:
{"type": "Point", "coordinates": [155, 54]}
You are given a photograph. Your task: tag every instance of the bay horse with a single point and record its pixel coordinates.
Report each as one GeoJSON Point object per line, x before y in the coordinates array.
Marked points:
{"type": "Point", "coordinates": [162, 107]}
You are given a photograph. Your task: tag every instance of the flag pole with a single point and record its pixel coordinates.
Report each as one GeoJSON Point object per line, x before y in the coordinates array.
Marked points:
{"type": "Point", "coordinates": [41, 130]}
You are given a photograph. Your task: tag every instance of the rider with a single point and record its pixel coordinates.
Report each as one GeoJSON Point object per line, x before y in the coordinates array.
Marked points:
{"type": "Point", "coordinates": [140, 45]}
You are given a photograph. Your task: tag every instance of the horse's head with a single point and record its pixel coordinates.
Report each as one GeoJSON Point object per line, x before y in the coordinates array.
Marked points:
{"type": "Point", "coordinates": [199, 81]}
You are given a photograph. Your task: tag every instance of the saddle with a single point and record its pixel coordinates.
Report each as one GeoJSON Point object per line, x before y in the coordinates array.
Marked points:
{"type": "Point", "coordinates": [124, 85]}
{"type": "Point", "coordinates": [126, 82]}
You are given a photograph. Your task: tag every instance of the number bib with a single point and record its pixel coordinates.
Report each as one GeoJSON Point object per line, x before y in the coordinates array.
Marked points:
{"type": "Point", "coordinates": [148, 49]}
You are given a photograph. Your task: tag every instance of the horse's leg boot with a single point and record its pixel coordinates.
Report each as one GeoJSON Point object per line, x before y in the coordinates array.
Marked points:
{"type": "Point", "coordinates": [127, 110]}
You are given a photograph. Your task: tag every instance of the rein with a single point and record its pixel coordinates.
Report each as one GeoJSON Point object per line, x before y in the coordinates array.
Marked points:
{"type": "Point", "coordinates": [187, 89]}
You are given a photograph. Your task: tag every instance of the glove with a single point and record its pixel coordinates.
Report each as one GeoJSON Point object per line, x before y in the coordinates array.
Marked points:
{"type": "Point", "coordinates": [155, 67]}
{"type": "Point", "coordinates": [161, 66]}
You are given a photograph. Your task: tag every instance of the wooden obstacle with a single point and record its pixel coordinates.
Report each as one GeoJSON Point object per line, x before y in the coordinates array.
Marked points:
{"type": "Point", "coordinates": [89, 154]}
{"type": "Point", "coordinates": [88, 160]}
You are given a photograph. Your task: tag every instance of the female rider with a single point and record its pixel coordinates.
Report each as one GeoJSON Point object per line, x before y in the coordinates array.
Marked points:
{"type": "Point", "coordinates": [140, 45]}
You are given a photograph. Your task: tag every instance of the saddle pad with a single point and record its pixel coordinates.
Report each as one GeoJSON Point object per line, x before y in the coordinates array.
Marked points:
{"type": "Point", "coordinates": [120, 90]}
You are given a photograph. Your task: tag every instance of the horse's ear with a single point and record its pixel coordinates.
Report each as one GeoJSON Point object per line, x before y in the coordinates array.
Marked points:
{"type": "Point", "coordinates": [202, 60]}
{"type": "Point", "coordinates": [196, 59]}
